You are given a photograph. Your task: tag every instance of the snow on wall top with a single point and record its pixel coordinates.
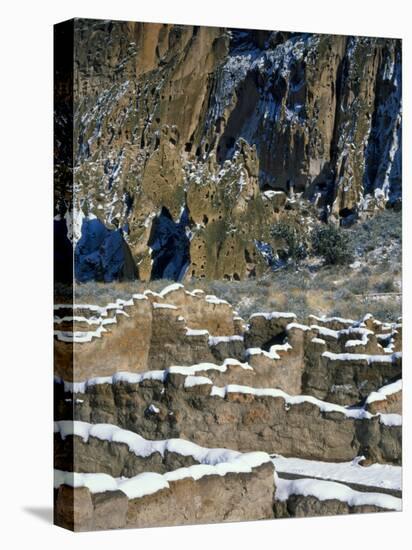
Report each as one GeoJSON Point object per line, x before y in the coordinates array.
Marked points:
{"type": "Point", "coordinates": [170, 288]}
{"type": "Point", "coordinates": [274, 315]}
{"type": "Point", "coordinates": [160, 375]}
{"type": "Point", "coordinates": [385, 476]}
{"type": "Point", "coordinates": [330, 490]}
{"type": "Point", "coordinates": [325, 319]}
{"type": "Point", "coordinates": [324, 406]}
{"type": "Point", "coordinates": [148, 483]}
{"type": "Point", "coordinates": [362, 357]}
{"type": "Point", "coordinates": [141, 446]}
{"type": "Point", "coordinates": [383, 392]}
{"type": "Point", "coordinates": [216, 461]}
{"type": "Point", "coordinates": [141, 485]}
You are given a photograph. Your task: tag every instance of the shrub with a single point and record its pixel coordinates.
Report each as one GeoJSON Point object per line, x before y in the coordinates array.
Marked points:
{"type": "Point", "coordinates": [332, 244]}
{"type": "Point", "coordinates": [365, 270]}
{"type": "Point", "coordinates": [386, 285]}
{"type": "Point", "coordinates": [342, 294]}
{"type": "Point", "coordinates": [293, 238]}
{"type": "Point", "coordinates": [360, 285]}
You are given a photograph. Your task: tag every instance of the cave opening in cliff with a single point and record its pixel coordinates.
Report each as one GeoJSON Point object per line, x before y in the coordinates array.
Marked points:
{"type": "Point", "coordinates": [240, 118]}
{"type": "Point", "coordinates": [278, 339]}
{"type": "Point", "coordinates": [345, 212]}
{"type": "Point", "coordinates": [170, 246]}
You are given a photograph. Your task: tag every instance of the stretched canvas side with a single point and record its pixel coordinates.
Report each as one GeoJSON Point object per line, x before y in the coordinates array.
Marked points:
{"type": "Point", "coordinates": [65, 504]}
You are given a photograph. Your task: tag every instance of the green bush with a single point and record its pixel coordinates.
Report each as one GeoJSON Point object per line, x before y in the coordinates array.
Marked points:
{"type": "Point", "coordinates": [387, 285]}
{"type": "Point", "coordinates": [360, 285]}
{"type": "Point", "coordinates": [332, 244]}
{"type": "Point", "coordinates": [293, 237]}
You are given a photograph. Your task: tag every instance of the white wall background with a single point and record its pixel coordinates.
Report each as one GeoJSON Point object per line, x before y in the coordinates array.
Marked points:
{"type": "Point", "coordinates": [26, 269]}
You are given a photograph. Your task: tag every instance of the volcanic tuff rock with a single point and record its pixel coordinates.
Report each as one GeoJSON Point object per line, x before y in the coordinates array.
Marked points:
{"type": "Point", "coordinates": [190, 142]}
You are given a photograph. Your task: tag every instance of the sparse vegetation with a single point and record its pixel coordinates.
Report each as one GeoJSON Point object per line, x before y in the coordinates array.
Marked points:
{"type": "Point", "coordinates": [360, 284]}
{"type": "Point", "coordinates": [377, 233]}
{"type": "Point", "coordinates": [386, 285]}
{"type": "Point", "coordinates": [326, 292]}
{"type": "Point", "coordinates": [293, 237]}
{"type": "Point", "coordinates": [332, 244]}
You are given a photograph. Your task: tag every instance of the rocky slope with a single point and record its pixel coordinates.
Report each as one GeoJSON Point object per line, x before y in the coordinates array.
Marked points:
{"type": "Point", "coordinates": [170, 400]}
{"type": "Point", "coordinates": [190, 142]}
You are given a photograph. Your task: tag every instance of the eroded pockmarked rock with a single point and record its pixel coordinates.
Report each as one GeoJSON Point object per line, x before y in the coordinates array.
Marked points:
{"type": "Point", "coordinates": [190, 142]}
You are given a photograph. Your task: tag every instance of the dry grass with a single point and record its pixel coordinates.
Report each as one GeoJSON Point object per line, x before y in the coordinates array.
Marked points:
{"type": "Point", "coordinates": [330, 293]}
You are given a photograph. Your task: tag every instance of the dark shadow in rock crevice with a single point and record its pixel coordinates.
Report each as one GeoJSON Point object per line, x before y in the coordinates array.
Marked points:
{"type": "Point", "coordinates": [102, 254]}
{"type": "Point", "coordinates": [170, 246]}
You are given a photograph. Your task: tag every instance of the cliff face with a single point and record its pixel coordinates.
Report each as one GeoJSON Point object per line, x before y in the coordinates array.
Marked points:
{"type": "Point", "coordinates": [190, 142]}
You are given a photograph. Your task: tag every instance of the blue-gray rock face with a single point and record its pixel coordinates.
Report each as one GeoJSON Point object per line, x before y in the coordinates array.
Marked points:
{"type": "Point", "coordinates": [102, 254]}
